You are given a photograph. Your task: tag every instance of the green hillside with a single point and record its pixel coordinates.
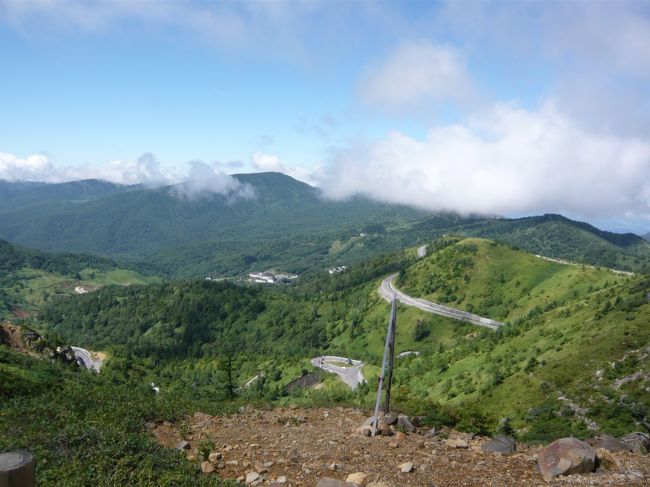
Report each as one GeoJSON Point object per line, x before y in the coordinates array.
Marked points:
{"type": "Point", "coordinates": [566, 324]}
{"type": "Point", "coordinates": [557, 236]}
{"type": "Point", "coordinates": [89, 429]}
{"type": "Point", "coordinates": [29, 278]}
{"type": "Point", "coordinates": [287, 225]}
{"type": "Point", "coordinates": [495, 280]}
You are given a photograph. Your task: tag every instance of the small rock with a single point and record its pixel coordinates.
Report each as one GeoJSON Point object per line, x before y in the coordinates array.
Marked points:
{"type": "Point", "coordinates": [207, 467]}
{"type": "Point", "coordinates": [606, 460]}
{"type": "Point", "coordinates": [334, 467]}
{"type": "Point", "coordinates": [214, 456]}
{"type": "Point", "coordinates": [366, 431]}
{"type": "Point", "coordinates": [281, 480]}
{"type": "Point", "coordinates": [500, 444]}
{"type": "Point", "coordinates": [358, 478]}
{"type": "Point", "coordinates": [392, 444]}
{"type": "Point", "coordinates": [221, 466]}
{"type": "Point", "coordinates": [406, 467]}
{"type": "Point", "coordinates": [260, 468]}
{"type": "Point", "coordinates": [566, 456]}
{"type": "Point", "coordinates": [390, 420]}
{"type": "Point", "coordinates": [457, 443]}
{"type": "Point", "coordinates": [253, 478]}
{"type": "Point", "coordinates": [405, 424]}
{"type": "Point", "coordinates": [385, 430]}
{"type": "Point", "coordinates": [400, 436]}
{"type": "Point", "coordinates": [431, 433]}
{"type": "Point", "coordinates": [378, 483]}
{"type": "Point", "coordinates": [183, 445]}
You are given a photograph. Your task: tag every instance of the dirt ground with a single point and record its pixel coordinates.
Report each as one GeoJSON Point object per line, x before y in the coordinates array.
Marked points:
{"type": "Point", "coordinates": [305, 445]}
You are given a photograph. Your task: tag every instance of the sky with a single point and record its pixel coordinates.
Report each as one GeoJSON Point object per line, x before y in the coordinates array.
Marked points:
{"type": "Point", "coordinates": [508, 108]}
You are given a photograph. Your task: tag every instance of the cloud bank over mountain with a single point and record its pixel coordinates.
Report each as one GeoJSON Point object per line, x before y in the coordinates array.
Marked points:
{"type": "Point", "coordinates": [503, 160]}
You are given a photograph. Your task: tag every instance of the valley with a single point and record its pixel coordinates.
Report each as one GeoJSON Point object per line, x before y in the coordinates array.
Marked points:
{"type": "Point", "coordinates": [561, 349]}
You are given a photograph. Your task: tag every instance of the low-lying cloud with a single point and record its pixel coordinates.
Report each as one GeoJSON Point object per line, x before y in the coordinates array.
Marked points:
{"type": "Point", "coordinates": [208, 179]}
{"type": "Point", "coordinates": [505, 160]}
{"type": "Point", "coordinates": [144, 170]}
{"type": "Point", "coordinates": [198, 180]}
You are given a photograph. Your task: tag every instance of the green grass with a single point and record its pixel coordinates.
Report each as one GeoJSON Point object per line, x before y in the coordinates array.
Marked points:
{"type": "Point", "coordinates": [497, 281]}
{"type": "Point", "coordinates": [31, 288]}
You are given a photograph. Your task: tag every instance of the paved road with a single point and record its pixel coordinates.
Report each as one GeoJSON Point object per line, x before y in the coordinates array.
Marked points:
{"type": "Point", "coordinates": [351, 374]}
{"type": "Point", "coordinates": [86, 358]}
{"type": "Point", "coordinates": [387, 290]}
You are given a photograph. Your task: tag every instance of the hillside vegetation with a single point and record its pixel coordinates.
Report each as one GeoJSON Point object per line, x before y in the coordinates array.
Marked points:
{"type": "Point", "coordinates": [29, 278]}
{"type": "Point", "coordinates": [566, 323]}
{"type": "Point", "coordinates": [278, 223]}
{"type": "Point", "coordinates": [495, 280]}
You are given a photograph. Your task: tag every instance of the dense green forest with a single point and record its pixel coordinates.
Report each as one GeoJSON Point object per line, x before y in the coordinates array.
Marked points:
{"type": "Point", "coordinates": [279, 223]}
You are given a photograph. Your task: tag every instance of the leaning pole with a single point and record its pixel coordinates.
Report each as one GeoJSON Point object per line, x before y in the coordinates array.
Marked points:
{"type": "Point", "coordinates": [386, 374]}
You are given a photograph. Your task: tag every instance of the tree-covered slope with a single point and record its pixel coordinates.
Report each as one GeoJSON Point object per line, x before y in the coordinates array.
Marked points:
{"type": "Point", "coordinates": [201, 234]}
{"type": "Point", "coordinates": [277, 222]}
{"type": "Point", "coordinates": [28, 277]}
{"type": "Point", "coordinates": [550, 370]}
{"type": "Point", "coordinates": [557, 236]}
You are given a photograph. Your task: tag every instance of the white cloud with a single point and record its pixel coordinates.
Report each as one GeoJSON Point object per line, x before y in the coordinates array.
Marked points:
{"type": "Point", "coordinates": [504, 160]}
{"type": "Point", "coordinates": [267, 162]}
{"type": "Point", "coordinates": [208, 179]}
{"type": "Point", "coordinates": [415, 73]}
{"type": "Point", "coordinates": [144, 170]}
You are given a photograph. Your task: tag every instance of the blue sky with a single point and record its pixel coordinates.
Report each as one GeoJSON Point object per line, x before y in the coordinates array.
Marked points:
{"type": "Point", "coordinates": [528, 106]}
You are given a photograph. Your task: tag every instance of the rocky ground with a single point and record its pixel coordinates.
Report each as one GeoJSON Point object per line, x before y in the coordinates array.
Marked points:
{"type": "Point", "coordinates": [301, 446]}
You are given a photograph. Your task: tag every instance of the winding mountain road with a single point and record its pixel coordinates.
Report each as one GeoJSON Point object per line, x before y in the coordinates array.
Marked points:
{"type": "Point", "coordinates": [85, 357]}
{"type": "Point", "coordinates": [351, 374]}
{"type": "Point", "coordinates": [387, 290]}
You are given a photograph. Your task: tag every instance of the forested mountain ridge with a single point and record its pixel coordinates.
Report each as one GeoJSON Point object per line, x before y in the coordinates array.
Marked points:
{"type": "Point", "coordinates": [277, 222]}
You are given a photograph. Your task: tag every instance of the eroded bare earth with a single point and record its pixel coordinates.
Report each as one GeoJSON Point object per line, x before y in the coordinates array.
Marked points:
{"type": "Point", "coordinates": [305, 445]}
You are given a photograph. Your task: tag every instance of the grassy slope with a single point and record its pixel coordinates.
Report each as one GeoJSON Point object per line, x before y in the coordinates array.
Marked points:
{"type": "Point", "coordinates": [89, 429]}
{"type": "Point", "coordinates": [33, 287]}
{"type": "Point", "coordinates": [557, 236]}
{"type": "Point", "coordinates": [498, 281]}
{"type": "Point", "coordinates": [570, 323]}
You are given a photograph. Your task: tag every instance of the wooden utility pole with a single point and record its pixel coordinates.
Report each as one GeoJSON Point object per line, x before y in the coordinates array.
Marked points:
{"type": "Point", "coordinates": [16, 469]}
{"type": "Point", "coordinates": [386, 366]}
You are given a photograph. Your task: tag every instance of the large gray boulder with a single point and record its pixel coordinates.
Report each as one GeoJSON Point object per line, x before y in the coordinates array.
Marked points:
{"type": "Point", "coordinates": [566, 456]}
{"type": "Point", "coordinates": [500, 444]}
{"type": "Point", "coordinates": [639, 442]}
{"type": "Point", "coordinates": [608, 442]}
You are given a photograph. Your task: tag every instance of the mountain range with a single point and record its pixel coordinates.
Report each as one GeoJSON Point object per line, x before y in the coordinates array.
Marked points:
{"type": "Point", "coordinates": [286, 224]}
